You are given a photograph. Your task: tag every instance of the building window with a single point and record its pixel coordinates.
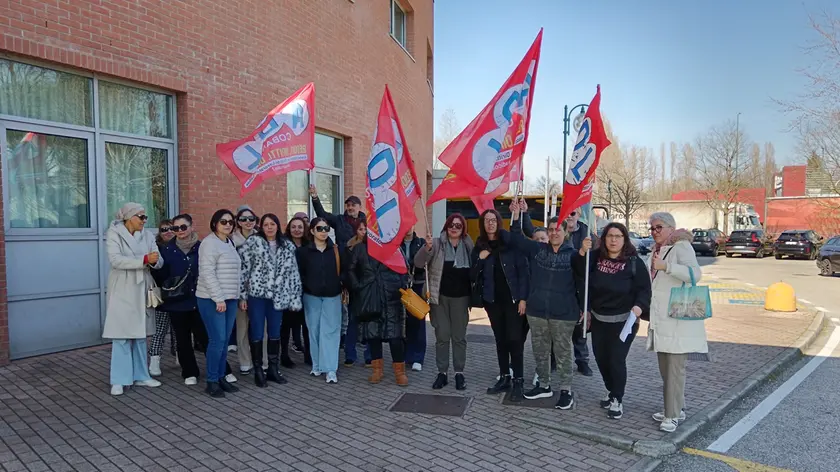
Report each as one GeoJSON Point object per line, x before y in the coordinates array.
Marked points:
{"type": "Point", "coordinates": [327, 177]}
{"type": "Point", "coordinates": [47, 178]}
{"type": "Point", "coordinates": [137, 174]}
{"type": "Point", "coordinates": [43, 94]}
{"type": "Point", "coordinates": [135, 111]}
{"type": "Point", "coordinates": [398, 23]}
{"type": "Point", "coordinates": [430, 67]}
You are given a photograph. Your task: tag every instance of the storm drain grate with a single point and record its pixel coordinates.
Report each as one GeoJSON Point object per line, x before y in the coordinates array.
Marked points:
{"type": "Point", "coordinates": [426, 404]}
{"type": "Point", "coordinates": [481, 338]}
{"type": "Point", "coordinates": [699, 356]}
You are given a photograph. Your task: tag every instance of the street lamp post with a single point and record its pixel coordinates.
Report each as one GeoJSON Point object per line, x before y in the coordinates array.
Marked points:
{"type": "Point", "coordinates": [567, 113]}
{"type": "Point", "coordinates": [737, 154]}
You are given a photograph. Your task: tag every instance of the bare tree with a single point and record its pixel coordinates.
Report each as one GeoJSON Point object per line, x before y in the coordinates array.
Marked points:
{"type": "Point", "coordinates": [662, 166]}
{"type": "Point", "coordinates": [770, 169]}
{"type": "Point", "coordinates": [448, 129]}
{"type": "Point", "coordinates": [720, 179]}
{"type": "Point", "coordinates": [625, 176]}
{"type": "Point", "coordinates": [673, 161]}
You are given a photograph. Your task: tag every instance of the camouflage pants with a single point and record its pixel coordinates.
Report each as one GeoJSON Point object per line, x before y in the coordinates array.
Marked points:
{"type": "Point", "coordinates": [543, 333]}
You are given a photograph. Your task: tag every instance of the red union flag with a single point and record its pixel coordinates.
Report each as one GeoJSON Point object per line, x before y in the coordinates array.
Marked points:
{"type": "Point", "coordinates": [283, 141]}
{"type": "Point", "coordinates": [591, 141]}
{"type": "Point", "coordinates": [487, 156]}
{"type": "Point", "coordinates": [392, 189]}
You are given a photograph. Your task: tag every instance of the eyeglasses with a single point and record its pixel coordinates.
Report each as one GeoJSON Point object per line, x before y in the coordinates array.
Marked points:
{"type": "Point", "coordinates": [322, 229]}
{"type": "Point", "coordinates": [656, 229]}
{"type": "Point", "coordinates": [226, 222]}
{"type": "Point", "coordinates": [490, 220]}
{"type": "Point", "coordinates": [179, 228]}
{"type": "Point", "coordinates": [615, 236]}
{"type": "Point", "coordinates": [142, 217]}
{"type": "Point", "coordinates": [248, 219]}
{"type": "Point", "coordinates": [456, 226]}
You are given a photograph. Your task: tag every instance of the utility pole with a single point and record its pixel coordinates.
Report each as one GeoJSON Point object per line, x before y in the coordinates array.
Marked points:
{"type": "Point", "coordinates": [737, 154]}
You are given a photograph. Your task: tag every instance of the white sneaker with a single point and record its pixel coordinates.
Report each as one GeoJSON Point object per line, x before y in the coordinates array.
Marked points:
{"type": "Point", "coordinates": [230, 378]}
{"type": "Point", "coordinates": [147, 383]}
{"type": "Point", "coordinates": [232, 348]}
{"type": "Point", "coordinates": [536, 380]}
{"type": "Point", "coordinates": [245, 369]}
{"type": "Point", "coordinates": [616, 410]}
{"type": "Point", "coordinates": [607, 401]}
{"type": "Point", "coordinates": [315, 373]}
{"type": "Point", "coordinates": [116, 390]}
{"type": "Point", "coordinates": [154, 366]}
{"type": "Point", "coordinates": [417, 367]}
{"type": "Point", "coordinates": [190, 381]}
{"type": "Point", "coordinates": [332, 378]}
{"type": "Point", "coordinates": [669, 425]}
{"type": "Point", "coordinates": [660, 417]}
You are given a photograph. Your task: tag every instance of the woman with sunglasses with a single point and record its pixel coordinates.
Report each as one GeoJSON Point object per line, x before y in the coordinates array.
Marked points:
{"type": "Point", "coordinates": [500, 277]}
{"type": "Point", "coordinates": [270, 285]}
{"type": "Point", "coordinates": [672, 263]}
{"type": "Point", "coordinates": [245, 226]}
{"type": "Point", "coordinates": [131, 253]}
{"type": "Point", "coordinates": [320, 268]}
{"type": "Point", "coordinates": [177, 280]}
{"type": "Point", "coordinates": [162, 324]}
{"type": "Point", "coordinates": [447, 259]}
{"type": "Point", "coordinates": [217, 292]}
{"type": "Point", "coordinates": [294, 322]}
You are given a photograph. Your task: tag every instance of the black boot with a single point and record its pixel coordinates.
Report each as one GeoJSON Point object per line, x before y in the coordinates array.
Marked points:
{"type": "Point", "coordinates": [227, 387]}
{"type": "Point", "coordinates": [256, 359]}
{"type": "Point", "coordinates": [517, 393]}
{"type": "Point", "coordinates": [286, 361]}
{"type": "Point", "coordinates": [214, 390]}
{"type": "Point", "coordinates": [503, 385]}
{"type": "Point", "coordinates": [274, 374]}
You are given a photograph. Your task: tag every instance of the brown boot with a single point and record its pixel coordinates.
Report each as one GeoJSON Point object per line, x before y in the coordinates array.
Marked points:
{"type": "Point", "coordinates": [377, 374]}
{"type": "Point", "coordinates": [399, 374]}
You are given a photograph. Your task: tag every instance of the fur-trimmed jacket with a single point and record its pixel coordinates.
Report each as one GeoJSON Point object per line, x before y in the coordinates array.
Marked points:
{"type": "Point", "coordinates": [270, 275]}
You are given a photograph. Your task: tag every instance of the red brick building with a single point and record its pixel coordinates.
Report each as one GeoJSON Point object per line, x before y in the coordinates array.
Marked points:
{"type": "Point", "coordinates": [115, 100]}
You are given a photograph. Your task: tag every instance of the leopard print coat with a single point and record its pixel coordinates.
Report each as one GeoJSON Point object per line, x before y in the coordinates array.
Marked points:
{"type": "Point", "coordinates": [271, 276]}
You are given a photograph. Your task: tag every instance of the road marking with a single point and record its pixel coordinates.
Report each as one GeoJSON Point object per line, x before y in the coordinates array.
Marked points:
{"type": "Point", "coordinates": [751, 285]}
{"type": "Point", "coordinates": [819, 308]}
{"type": "Point", "coordinates": [805, 301]}
{"type": "Point", "coordinates": [748, 422]}
{"type": "Point", "coordinates": [740, 465]}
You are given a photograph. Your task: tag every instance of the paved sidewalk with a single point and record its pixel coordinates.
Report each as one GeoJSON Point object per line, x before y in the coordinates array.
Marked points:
{"type": "Point", "coordinates": [56, 413]}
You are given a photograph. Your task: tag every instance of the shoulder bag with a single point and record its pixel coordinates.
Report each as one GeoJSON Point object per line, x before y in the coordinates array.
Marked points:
{"type": "Point", "coordinates": [690, 303]}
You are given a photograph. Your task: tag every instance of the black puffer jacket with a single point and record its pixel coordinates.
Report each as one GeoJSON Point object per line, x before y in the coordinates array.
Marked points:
{"type": "Point", "coordinates": [318, 270]}
{"type": "Point", "coordinates": [375, 296]}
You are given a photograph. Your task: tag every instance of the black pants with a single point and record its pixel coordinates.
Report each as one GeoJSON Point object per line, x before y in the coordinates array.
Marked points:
{"type": "Point", "coordinates": [293, 324]}
{"type": "Point", "coordinates": [397, 346]}
{"type": "Point", "coordinates": [580, 347]}
{"type": "Point", "coordinates": [186, 324]}
{"type": "Point", "coordinates": [611, 354]}
{"type": "Point", "coordinates": [509, 329]}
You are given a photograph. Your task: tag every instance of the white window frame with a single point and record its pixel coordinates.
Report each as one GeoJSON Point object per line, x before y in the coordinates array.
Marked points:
{"type": "Point", "coordinates": [404, 27]}
{"type": "Point", "coordinates": [333, 171]}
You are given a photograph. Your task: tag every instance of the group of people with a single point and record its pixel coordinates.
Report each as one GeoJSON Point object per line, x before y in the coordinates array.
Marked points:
{"type": "Point", "coordinates": [273, 285]}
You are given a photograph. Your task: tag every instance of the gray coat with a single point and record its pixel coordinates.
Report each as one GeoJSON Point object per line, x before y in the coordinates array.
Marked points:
{"type": "Point", "coordinates": [128, 281]}
{"type": "Point", "coordinates": [434, 258]}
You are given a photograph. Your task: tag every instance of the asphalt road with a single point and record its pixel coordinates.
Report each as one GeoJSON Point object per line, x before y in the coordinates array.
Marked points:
{"type": "Point", "coordinates": [802, 432]}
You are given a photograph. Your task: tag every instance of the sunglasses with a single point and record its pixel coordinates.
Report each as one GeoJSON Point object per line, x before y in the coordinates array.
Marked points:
{"type": "Point", "coordinates": [179, 228]}
{"type": "Point", "coordinates": [322, 229]}
{"type": "Point", "coordinates": [225, 222]}
{"type": "Point", "coordinates": [247, 219]}
{"type": "Point", "coordinates": [656, 229]}
{"type": "Point", "coordinates": [143, 217]}
{"type": "Point", "coordinates": [456, 226]}
{"type": "Point", "coordinates": [574, 213]}
{"type": "Point", "coordinates": [166, 229]}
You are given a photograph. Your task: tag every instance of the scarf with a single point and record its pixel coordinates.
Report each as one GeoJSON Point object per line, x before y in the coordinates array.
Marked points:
{"type": "Point", "coordinates": [458, 255]}
{"type": "Point", "coordinates": [674, 238]}
{"type": "Point", "coordinates": [186, 245]}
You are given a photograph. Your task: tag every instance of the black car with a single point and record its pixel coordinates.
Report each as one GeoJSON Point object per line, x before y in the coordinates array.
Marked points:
{"type": "Point", "coordinates": [710, 242]}
{"type": "Point", "coordinates": [829, 259]}
{"type": "Point", "coordinates": [804, 244]}
{"type": "Point", "coordinates": [748, 242]}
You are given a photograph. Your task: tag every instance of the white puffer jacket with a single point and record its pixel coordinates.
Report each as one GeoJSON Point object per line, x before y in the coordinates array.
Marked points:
{"type": "Point", "coordinates": [271, 275]}
{"type": "Point", "coordinates": [667, 334]}
{"type": "Point", "coordinates": [218, 270]}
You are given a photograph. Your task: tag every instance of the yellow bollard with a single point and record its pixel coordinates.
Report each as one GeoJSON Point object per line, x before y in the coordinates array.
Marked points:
{"type": "Point", "coordinates": [780, 297]}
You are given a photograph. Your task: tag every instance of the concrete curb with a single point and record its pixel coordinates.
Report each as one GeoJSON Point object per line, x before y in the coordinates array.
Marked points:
{"type": "Point", "coordinates": [659, 448]}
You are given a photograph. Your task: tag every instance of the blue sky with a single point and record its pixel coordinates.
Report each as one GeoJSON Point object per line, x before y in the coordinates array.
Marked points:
{"type": "Point", "coordinates": [668, 70]}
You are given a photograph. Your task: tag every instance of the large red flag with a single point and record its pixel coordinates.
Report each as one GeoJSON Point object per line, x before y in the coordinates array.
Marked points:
{"type": "Point", "coordinates": [591, 141]}
{"type": "Point", "coordinates": [283, 141]}
{"type": "Point", "coordinates": [487, 156]}
{"type": "Point", "coordinates": [392, 189]}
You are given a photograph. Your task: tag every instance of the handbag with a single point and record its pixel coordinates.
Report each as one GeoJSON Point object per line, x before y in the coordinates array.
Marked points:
{"type": "Point", "coordinates": [153, 299]}
{"type": "Point", "coordinates": [415, 304]}
{"type": "Point", "coordinates": [174, 288]}
{"type": "Point", "coordinates": [690, 303]}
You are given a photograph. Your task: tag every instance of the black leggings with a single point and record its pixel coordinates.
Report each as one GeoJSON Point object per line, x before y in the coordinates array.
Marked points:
{"type": "Point", "coordinates": [293, 324]}
{"type": "Point", "coordinates": [509, 329]}
{"type": "Point", "coordinates": [397, 349]}
{"type": "Point", "coordinates": [611, 354]}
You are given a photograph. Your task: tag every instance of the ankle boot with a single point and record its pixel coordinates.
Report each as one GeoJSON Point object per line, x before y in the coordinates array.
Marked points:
{"type": "Point", "coordinates": [214, 390]}
{"type": "Point", "coordinates": [227, 387]}
{"type": "Point", "coordinates": [517, 392]}
{"type": "Point", "coordinates": [502, 385]}
{"type": "Point", "coordinates": [377, 374]}
{"type": "Point", "coordinates": [399, 374]}
{"type": "Point", "coordinates": [256, 358]}
{"type": "Point", "coordinates": [274, 374]}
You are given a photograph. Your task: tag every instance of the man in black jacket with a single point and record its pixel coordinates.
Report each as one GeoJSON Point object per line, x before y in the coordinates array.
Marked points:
{"type": "Point", "coordinates": [415, 330]}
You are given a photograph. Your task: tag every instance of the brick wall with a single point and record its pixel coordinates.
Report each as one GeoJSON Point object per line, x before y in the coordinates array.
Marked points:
{"type": "Point", "coordinates": [231, 62]}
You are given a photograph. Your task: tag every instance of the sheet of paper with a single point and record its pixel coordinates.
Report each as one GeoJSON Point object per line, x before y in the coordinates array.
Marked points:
{"type": "Point", "coordinates": [628, 327]}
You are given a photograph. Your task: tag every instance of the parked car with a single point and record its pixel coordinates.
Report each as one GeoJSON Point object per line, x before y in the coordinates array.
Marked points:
{"type": "Point", "coordinates": [794, 243]}
{"type": "Point", "coordinates": [829, 259]}
{"type": "Point", "coordinates": [710, 242]}
{"type": "Point", "coordinates": [749, 242]}
{"type": "Point", "coordinates": [644, 245]}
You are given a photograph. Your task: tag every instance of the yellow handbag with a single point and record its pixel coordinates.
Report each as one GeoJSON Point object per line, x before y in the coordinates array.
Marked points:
{"type": "Point", "coordinates": [415, 304]}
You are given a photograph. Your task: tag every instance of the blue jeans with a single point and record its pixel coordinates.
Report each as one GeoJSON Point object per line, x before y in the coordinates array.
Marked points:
{"type": "Point", "coordinates": [415, 334]}
{"type": "Point", "coordinates": [323, 317]}
{"type": "Point", "coordinates": [350, 341]}
{"type": "Point", "coordinates": [219, 326]}
{"type": "Point", "coordinates": [260, 311]}
{"type": "Point", "coordinates": [128, 361]}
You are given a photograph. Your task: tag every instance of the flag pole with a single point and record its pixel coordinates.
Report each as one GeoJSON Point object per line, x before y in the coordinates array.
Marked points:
{"type": "Point", "coordinates": [593, 228]}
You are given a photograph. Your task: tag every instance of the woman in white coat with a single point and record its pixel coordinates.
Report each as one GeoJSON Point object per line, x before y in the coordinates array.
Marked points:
{"type": "Point", "coordinates": [672, 339]}
{"type": "Point", "coordinates": [131, 252]}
